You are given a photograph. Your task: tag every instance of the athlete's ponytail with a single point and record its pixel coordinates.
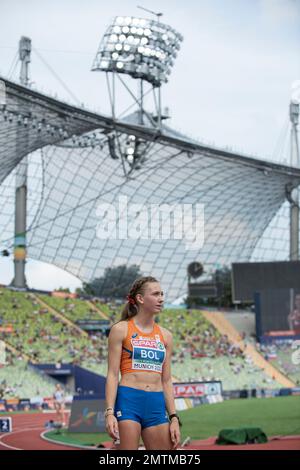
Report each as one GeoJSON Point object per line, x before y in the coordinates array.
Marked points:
{"type": "Point", "coordinates": [138, 287]}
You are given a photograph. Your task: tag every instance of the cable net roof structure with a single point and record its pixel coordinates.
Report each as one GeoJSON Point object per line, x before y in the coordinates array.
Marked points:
{"type": "Point", "coordinates": [71, 172]}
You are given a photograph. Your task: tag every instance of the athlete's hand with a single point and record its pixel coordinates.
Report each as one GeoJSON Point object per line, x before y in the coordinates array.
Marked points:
{"type": "Point", "coordinates": [175, 433]}
{"type": "Point", "coordinates": [112, 427]}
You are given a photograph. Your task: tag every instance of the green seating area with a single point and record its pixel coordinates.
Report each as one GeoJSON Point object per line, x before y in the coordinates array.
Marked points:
{"type": "Point", "coordinates": [220, 360]}
{"type": "Point", "coordinates": [280, 356]}
{"type": "Point", "coordinates": [110, 309]}
{"type": "Point", "coordinates": [42, 336]}
{"type": "Point", "coordinates": [18, 380]}
{"type": "Point", "coordinates": [73, 309]}
{"type": "Point", "coordinates": [234, 374]}
{"type": "Point", "coordinates": [200, 352]}
{"type": "Point", "coordinates": [190, 330]}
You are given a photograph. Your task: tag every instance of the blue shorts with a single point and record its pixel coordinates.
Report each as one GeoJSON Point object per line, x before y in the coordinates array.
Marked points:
{"type": "Point", "coordinates": [146, 408]}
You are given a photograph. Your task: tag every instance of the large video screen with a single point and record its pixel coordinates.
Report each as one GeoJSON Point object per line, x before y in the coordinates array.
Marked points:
{"type": "Point", "coordinates": [248, 278]}
{"type": "Point", "coordinates": [277, 310]}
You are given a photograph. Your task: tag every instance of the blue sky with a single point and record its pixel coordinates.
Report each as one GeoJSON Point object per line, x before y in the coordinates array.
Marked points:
{"type": "Point", "coordinates": [231, 83]}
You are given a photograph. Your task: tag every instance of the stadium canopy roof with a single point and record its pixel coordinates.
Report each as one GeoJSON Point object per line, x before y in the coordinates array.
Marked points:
{"type": "Point", "coordinates": [69, 149]}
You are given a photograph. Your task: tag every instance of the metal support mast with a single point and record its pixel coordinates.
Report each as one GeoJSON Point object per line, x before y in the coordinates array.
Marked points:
{"type": "Point", "coordinates": [19, 280]}
{"type": "Point", "coordinates": [294, 196]}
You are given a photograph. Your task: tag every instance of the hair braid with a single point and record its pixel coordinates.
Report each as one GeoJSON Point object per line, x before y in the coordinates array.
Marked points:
{"type": "Point", "coordinates": [138, 287]}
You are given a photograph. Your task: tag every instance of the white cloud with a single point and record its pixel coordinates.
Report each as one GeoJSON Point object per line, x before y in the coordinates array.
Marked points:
{"type": "Point", "coordinates": [39, 275]}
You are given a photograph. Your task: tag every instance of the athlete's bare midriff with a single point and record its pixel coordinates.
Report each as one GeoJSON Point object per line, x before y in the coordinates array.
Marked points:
{"type": "Point", "coordinates": [147, 381]}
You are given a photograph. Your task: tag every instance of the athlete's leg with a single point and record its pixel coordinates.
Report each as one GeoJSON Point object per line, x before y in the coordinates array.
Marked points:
{"type": "Point", "coordinates": [157, 437]}
{"type": "Point", "coordinates": [57, 409]}
{"type": "Point", "coordinates": [130, 432]}
{"type": "Point", "coordinates": [63, 414]}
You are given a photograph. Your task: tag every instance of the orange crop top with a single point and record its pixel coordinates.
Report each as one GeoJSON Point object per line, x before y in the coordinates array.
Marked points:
{"type": "Point", "coordinates": [142, 352]}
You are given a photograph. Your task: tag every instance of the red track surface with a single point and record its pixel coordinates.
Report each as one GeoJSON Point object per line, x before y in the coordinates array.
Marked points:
{"type": "Point", "coordinates": [27, 429]}
{"type": "Point", "coordinates": [26, 433]}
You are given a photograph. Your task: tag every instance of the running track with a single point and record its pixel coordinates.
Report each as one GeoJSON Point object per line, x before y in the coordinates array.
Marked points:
{"type": "Point", "coordinates": [27, 429]}
{"type": "Point", "coordinates": [26, 433]}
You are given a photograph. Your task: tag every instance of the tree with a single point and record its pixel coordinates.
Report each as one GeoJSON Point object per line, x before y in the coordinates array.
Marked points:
{"type": "Point", "coordinates": [222, 279]}
{"type": "Point", "coordinates": [114, 284]}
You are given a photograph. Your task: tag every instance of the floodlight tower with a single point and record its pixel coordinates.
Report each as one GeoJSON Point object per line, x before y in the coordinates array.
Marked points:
{"type": "Point", "coordinates": [294, 192]}
{"type": "Point", "coordinates": [19, 279]}
{"type": "Point", "coordinates": [143, 49]}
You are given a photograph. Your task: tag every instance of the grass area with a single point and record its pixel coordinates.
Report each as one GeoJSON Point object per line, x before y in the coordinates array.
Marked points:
{"type": "Point", "coordinates": [275, 416]}
{"type": "Point", "coordinates": [87, 439]}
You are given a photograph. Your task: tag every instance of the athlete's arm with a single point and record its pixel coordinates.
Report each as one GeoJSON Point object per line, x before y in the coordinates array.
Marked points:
{"type": "Point", "coordinates": [168, 389]}
{"type": "Point", "coordinates": [115, 340]}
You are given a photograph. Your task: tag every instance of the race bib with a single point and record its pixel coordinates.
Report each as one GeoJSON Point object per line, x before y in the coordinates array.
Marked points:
{"type": "Point", "coordinates": [148, 354]}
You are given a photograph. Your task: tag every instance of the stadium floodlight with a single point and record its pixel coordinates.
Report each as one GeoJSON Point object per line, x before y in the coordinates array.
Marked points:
{"type": "Point", "coordinates": [141, 48]}
{"type": "Point", "coordinates": [130, 150]}
{"type": "Point", "coordinates": [145, 50]}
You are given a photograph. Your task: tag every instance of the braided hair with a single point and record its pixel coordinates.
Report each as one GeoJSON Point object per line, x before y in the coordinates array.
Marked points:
{"type": "Point", "coordinates": [138, 287]}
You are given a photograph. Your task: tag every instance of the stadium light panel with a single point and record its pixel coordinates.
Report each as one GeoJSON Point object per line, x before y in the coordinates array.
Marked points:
{"type": "Point", "coordinates": [141, 48]}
